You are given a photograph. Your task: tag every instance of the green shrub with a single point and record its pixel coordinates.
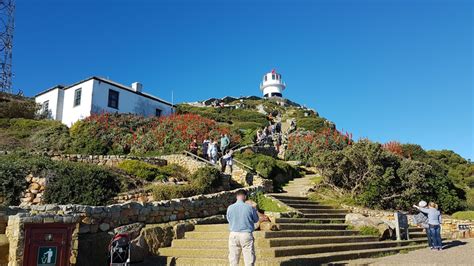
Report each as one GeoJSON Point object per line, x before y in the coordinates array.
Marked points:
{"type": "Point", "coordinates": [278, 171]}
{"type": "Point", "coordinates": [166, 192]}
{"type": "Point", "coordinates": [367, 230]}
{"type": "Point", "coordinates": [141, 170]}
{"type": "Point", "coordinates": [265, 203]}
{"type": "Point", "coordinates": [377, 178]}
{"type": "Point", "coordinates": [470, 199]}
{"type": "Point", "coordinates": [150, 172]}
{"type": "Point", "coordinates": [54, 137]}
{"type": "Point", "coordinates": [34, 135]}
{"type": "Point", "coordinates": [205, 178]}
{"type": "Point", "coordinates": [174, 170]}
{"type": "Point", "coordinates": [12, 180]}
{"type": "Point", "coordinates": [12, 106]}
{"type": "Point", "coordinates": [464, 215]}
{"type": "Point", "coordinates": [68, 182]}
{"type": "Point", "coordinates": [76, 183]}
{"type": "Point", "coordinates": [202, 181]}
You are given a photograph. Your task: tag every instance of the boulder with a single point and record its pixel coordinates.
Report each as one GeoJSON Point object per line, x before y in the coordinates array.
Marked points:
{"type": "Point", "coordinates": [138, 249]}
{"type": "Point", "coordinates": [133, 230]}
{"type": "Point", "coordinates": [179, 230]}
{"type": "Point", "coordinates": [268, 226]}
{"type": "Point", "coordinates": [386, 230]}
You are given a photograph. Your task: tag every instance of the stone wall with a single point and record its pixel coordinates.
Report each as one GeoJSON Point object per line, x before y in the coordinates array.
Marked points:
{"type": "Point", "coordinates": [146, 195]}
{"type": "Point", "coordinates": [449, 226]}
{"type": "Point", "coordinates": [192, 165]}
{"type": "Point", "coordinates": [103, 218]}
{"type": "Point", "coordinates": [108, 160]}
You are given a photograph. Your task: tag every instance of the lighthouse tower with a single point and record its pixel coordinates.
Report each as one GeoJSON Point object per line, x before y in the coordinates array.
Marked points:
{"type": "Point", "coordinates": [272, 85]}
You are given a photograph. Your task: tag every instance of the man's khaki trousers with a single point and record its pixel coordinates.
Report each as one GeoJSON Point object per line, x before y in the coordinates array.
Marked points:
{"type": "Point", "coordinates": [241, 242]}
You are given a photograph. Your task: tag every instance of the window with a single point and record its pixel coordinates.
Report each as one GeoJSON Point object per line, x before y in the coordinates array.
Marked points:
{"type": "Point", "coordinates": [45, 106]}
{"type": "Point", "coordinates": [277, 76]}
{"type": "Point", "coordinates": [158, 112]}
{"type": "Point", "coordinates": [273, 76]}
{"type": "Point", "coordinates": [113, 99]}
{"type": "Point", "coordinates": [265, 77]}
{"type": "Point", "coordinates": [77, 97]}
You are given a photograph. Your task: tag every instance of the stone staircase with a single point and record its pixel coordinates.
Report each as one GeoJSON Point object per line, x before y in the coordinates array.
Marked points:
{"type": "Point", "coordinates": [319, 237]}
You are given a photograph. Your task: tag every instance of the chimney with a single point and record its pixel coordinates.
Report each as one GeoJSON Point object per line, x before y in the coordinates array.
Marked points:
{"type": "Point", "coordinates": [137, 86]}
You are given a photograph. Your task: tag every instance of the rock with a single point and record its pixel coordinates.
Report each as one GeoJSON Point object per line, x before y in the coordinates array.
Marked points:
{"type": "Point", "coordinates": [139, 249]}
{"type": "Point", "coordinates": [179, 230]}
{"type": "Point", "coordinates": [34, 186]}
{"type": "Point", "coordinates": [133, 230]}
{"type": "Point", "coordinates": [359, 220]}
{"type": "Point", "coordinates": [104, 227]}
{"type": "Point", "coordinates": [268, 226]}
{"type": "Point", "coordinates": [157, 236]}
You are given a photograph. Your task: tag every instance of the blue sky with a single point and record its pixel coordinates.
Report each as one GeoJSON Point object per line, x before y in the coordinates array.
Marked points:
{"type": "Point", "coordinates": [387, 70]}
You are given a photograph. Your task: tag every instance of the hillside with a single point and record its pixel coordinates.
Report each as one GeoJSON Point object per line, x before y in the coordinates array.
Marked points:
{"type": "Point", "coordinates": [374, 175]}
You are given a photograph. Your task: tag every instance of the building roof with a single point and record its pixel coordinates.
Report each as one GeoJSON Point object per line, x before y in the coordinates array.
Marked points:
{"type": "Point", "coordinates": [113, 83]}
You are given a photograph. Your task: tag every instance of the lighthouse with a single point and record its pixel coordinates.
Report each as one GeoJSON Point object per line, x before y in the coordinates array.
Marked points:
{"type": "Point", "coordinates": [272, 85]}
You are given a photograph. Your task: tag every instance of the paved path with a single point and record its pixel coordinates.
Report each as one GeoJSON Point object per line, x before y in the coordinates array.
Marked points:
{"type": "Point", "coordinates": [457, 252]}
{"type": "Point", "coordinates": [299, 186]}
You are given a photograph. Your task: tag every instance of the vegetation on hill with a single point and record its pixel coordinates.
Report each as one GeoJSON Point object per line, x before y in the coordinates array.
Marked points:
{"type": "Point", "coordinates": [203, 181]}
{"type": "Point", "coordinates": [278, 171]}
{"type": "Point", "coordinates": [266, 204]}
{"type": "Point", "coordinates": [68, 182]}
{"type": "Point", "coordinates": [151, 172]}
{"type": "Point", "coordinates": [16, 106]}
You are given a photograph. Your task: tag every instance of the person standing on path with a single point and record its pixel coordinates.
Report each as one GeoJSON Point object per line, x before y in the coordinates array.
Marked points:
{"type": "Point", "coordinates": [242, 218]}
{"type": "Point", "coordinates": [225, 141]}
{"type": "Point", "coordinates": [421, 220]}
{"type": "Point", "coordinates": [434, 223]}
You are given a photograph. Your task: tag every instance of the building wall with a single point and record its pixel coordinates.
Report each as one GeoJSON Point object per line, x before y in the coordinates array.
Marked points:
{"type": "Point", "coordinates": [51, 96]}
{"type": "Point", "coordinates": [129, 102]}
{"type": "Point", "coordinates": [73, 113]}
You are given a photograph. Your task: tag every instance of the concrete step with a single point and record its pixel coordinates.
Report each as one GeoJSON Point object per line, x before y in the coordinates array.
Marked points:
{"type": "Point", "coordinates": [314, 259]}
{"type": "Point", "coordinates": [309, 206]}
{"type": "Point", "coordinates": [301, 241]}
{"type": "Point", "coordinates": [282, 196]}
{"type": "Point", "coordinates": [310, 211]}
{"type": "Point", "coordinates": [284, 251]}
{"type": "Point", "coordinates": [211, 236]}
{"type": "Point", "coordinates": [318, 259]}
{"type": "Point", "coordinates": [311, 226]}
{"type": "Point", "coordinates": [307, 220]}
{"type": "Point", "coordinates": [307, 233]}
{"type": "Point", "coordinates": [326, 215]}
{"type": "Point", "coordinates": [211, 228]}
{"type": "Point", "coordinates": [274, 242]}
{"type": "Point", "coordinates": [290, 201]}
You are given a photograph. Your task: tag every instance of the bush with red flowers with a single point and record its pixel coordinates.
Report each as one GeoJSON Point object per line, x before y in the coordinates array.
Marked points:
{"type": "Point", "coordinates": [123, 134]}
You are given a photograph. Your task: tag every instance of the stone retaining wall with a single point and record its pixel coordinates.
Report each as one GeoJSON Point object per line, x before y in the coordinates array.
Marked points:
{"type": "Point", "coordinates": [449, 226]}
{"type": "Point", "coordinates": [103, 218]}
{"type": "Point", "coordinates": [108, 160]}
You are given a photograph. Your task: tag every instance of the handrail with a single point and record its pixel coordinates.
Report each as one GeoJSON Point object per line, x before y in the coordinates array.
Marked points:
{"type": "Point", "coordinates": [248, 167]}
{"type": "Point", "coordinates": [197, 157]}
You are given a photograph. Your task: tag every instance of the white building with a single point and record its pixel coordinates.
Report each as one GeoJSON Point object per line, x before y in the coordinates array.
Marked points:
{"type": "Point", "coordinates": [97, 95]}
{"type": "Point", "coordinates": [272, 85]}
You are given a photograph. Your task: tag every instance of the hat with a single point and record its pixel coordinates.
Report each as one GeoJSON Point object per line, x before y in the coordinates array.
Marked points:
{"type": "Point", "coordinates": [422, 204]}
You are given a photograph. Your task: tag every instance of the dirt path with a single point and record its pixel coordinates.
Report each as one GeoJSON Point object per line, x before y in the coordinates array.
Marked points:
{"type": "Point", "coordinates": [457, 252]}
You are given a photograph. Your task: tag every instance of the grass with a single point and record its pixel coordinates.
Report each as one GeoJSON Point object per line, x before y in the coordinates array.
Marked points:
{"type": "Point", "coordinates": [315, 180]}
{"type": "Point", "coordinates": [464, 215]}
{"type": "Point", "coordinates": [368, 231]}
{"type": "Point", "coordinates": [327, 196]}
{"type": "Point", "coordinates": [267, 204]}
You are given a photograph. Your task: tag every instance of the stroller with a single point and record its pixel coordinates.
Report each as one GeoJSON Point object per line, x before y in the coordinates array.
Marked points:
{"type": "Point", "coordinates": [119, 250]}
